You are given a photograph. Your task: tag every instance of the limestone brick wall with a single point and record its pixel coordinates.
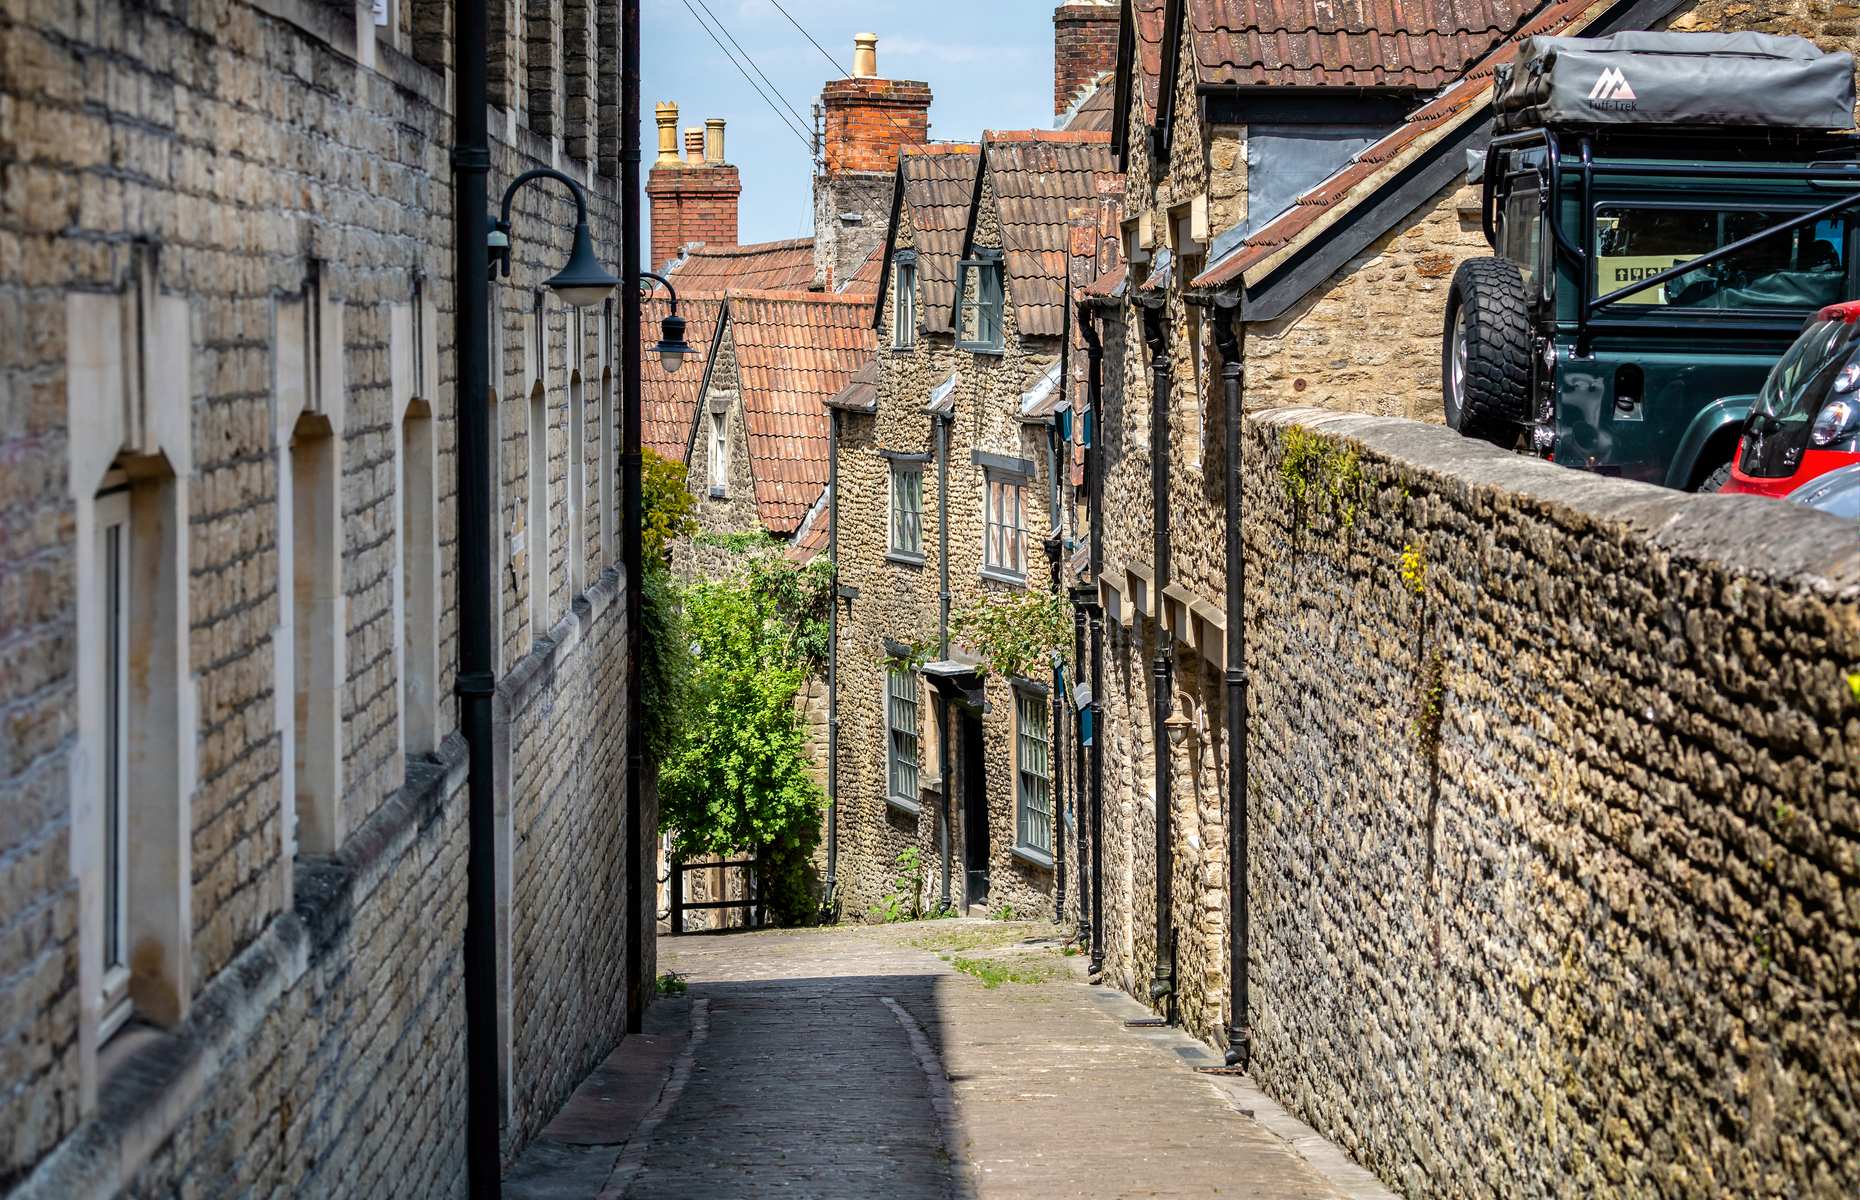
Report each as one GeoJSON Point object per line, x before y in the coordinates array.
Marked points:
{"type": "Point", "coordinates": [1368, 338]}
{"type": "Point", "coordinates": [1558, 825]}
{"type": "Point", "coordinates": [248, 158]}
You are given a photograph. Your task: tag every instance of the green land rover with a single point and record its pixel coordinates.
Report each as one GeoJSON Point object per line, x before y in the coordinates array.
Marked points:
{"type": "Point", "coordinates": [1665, 211]}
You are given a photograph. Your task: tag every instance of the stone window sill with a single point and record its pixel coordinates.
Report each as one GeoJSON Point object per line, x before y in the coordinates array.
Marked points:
{"type": "Point", "coordinates": [1031, 854]}
{"type": "Point", "coordinates": [909, 808]}
{"type": "Point", "coordinates": [1008, 577]}
{"type": "Point", "coordinates": [904, 558]}
{"type": "Point", "coordinates": [717, 493]}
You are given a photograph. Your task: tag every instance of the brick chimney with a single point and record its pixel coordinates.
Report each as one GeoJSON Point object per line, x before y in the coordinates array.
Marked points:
{"type": "Point", "coordinates": [693, 198]}
{"type": "Point", "coordinates": [1084, 47]}
{"type": "Point", "coordinates": [865, 119]}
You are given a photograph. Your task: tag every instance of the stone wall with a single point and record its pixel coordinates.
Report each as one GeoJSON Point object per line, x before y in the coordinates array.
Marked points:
{"type": "Point", "coordinates": [898, 604]}
{"type": "Point", "coordinates": [1555, 820]}
{"type": "Point", "coordinates": [1368, 338]}
{"type": "Point", "coordinates": [227, 171]}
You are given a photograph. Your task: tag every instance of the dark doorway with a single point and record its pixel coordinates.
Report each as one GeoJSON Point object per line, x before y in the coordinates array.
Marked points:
{"type": "Point", "coordinates": [974, 772]}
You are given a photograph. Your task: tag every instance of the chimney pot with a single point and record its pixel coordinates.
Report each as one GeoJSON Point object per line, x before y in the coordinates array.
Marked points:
{"type": "Point", "coordinates": [865, 55]}
{"type": "Point", "coordinates": [666, 114]}
{"type": "Point", "coordinates": [694, 145]}
{"type": "Point", "coordinates": [713, 140]}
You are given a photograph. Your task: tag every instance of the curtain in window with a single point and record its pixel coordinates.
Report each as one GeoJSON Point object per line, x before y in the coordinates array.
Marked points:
{"type": "Point", "coordinates": [1036, 798]}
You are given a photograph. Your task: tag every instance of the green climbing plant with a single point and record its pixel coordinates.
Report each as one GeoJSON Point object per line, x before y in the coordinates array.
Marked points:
{"type": "Point", "coordinates": [668, 508]}
{"type": "Point", "coordinates": [1017, 633]}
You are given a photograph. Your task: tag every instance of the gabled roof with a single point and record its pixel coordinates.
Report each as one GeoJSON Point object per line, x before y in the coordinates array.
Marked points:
{"type": "Point", "coordinates": [1382, 163]}
{"type": "Point", "coordinates": [668, 403]}
{"type": "Point", "coordinates": [1139, 68]}
{"type": "Point", "coordinates": [936, 182]}
{"type": "Point", "coordinates": [761, 265]}
{"type": "Point", "coordinates": [864, 281]}
{"type": "Point", "coordinates": [794, 350]}
{"type": "Point", "coordinates": [1043, 180]}
{"type": "Point", "coordinates": [1345, 43]}
{"type": "Point", "coordinates": [1092, 111]}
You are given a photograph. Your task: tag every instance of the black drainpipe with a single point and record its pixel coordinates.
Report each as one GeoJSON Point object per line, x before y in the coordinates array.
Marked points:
{"type": "Point", "coordinates": [1155, 334]}
{"type": "Point", "coordinates": [1094, 479]}
{"type": "Point", "coordinates": [1227, 338]}
{"type": "Point", "coordinates": [632, 552]}
{"type": "Point", "coordinates": [1055, 552]}
{"type": "Point", "coordinates": [1078, 760]}
{"type": "Point", "coordinates": [942, 630]}
{"type": "Point", "coordinates": [477, 679]}
{"type": "Point", "coordinates": [830, 902]}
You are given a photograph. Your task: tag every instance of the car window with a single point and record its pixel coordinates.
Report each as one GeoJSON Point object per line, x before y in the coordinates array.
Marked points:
{"type": "Point", "coordinates": [1523, 234]}
{"type": "Point", "coordinates": [1803, 268]}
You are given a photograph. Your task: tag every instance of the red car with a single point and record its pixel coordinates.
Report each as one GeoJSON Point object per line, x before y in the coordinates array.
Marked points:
{"type": "Point", "coordinates": [1806, 420]}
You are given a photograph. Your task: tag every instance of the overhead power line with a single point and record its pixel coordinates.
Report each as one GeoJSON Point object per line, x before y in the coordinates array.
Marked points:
{"type": "Point", "coordinates": [752, 62]}
{"type": "Point", "coordinates": [933, 164]}
{"type": "Point", "coordinates": [805, 140]}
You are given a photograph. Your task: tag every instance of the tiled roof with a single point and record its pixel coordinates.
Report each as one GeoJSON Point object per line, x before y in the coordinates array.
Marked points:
{"type": "Point", "coordinates": [793, 351]}
{"type": "Point", "coordinates": [1093, 112]}
{"type": "Point", "coordinates": [1346, 43]}
{"type": "Point", "coordinates": [939, 183]}
{"type": "Point", "coordinates": [861, 391]}
{"type": "Point", "coordinates": [1331, 200]}
{"type": "Point", "coordinates": [1148, 16]}
{"type": "Point", "coordinates": [811, 538]}
{"type": "Point", "coordinates": [1043, 181]}
{"type": "Point", "coordinates": [864, 281]}
{"type": "Point", "coordinates": [668, 403]}
{"type": "Point", "coordinates": [1111, 283]}
{"type": "Point", "coordinates": [761, 266]}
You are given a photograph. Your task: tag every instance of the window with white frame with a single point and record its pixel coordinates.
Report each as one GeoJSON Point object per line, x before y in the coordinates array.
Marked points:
{"type": "Point", "coordinates": [907, 509]}
{"type": "Point", "coordinates": [719, 453]}
{"type": "Point", "coordinates": [1034, 767]}
{"type": "Point", "coordinates": [901, 725]}
{"type": "Point", "coordinates": [112, 634]}
{"type": "Point", "coordinates": [978, 320]}
{"type": "Point", "coordinates": [904, 303]}
{"type": "Point", "coordinates": [1004, 542]}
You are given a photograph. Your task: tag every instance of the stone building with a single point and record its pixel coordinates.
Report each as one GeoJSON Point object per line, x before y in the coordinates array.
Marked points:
{"type": "Point", "coordinates": [1335, 234]}
{"type": "Point", "coordinates": [234, 848]}
{"type": "Point", "coordinates": [950, 478]}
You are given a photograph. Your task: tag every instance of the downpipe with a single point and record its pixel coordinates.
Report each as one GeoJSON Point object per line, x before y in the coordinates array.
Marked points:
{"type": "Point", "coordinates": [1055, 552]}
{"type": "Point", "coordinates": [1155, 335]}
{"type": "Point", "coordinates": [829, 903]}
{"type": "Point", "coordinates": [942, 635]}
{"type": "Point", "coordinates": [1239, 1049]}
{"type": "Point", "coordinates": [477, 679]}
{"type": "Point", "coordinates": [1094, 481]}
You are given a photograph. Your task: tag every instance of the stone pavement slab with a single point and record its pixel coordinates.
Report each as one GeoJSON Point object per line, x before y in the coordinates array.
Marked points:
{"type": "Point", "coordinates": [860, 1062]}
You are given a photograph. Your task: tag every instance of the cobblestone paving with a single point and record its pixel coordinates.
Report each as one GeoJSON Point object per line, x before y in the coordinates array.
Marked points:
{"type": "Point", "coordinates": [860, 1062]}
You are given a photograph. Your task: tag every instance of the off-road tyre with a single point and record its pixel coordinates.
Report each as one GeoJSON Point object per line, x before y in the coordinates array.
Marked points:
{"type": "Point", "coordinates": [1494, 384]}
{"type": "Point", "coordinates": [1715, 481]}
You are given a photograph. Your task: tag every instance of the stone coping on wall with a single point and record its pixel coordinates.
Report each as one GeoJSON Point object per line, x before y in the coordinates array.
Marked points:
{"type": "Point", "coordinates": [1747, 535]}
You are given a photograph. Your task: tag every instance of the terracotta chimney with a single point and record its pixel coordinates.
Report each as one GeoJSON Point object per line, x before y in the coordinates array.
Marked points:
{"type": "Point", "coordinates": [865, 55]}
{"type": "Point", "coordinates": [694, 198]}
{"type": "Point", "coordinates": [868, 118]}
{"type": "Point", "coordinates": [865, 121]}
{"type": "Point", "coordinates": [1084, 48]}
{"type": "Point", "coordinates": [666, 113]}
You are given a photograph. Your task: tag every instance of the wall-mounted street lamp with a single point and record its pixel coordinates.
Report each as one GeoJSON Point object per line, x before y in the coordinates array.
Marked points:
{"type": "Point", "coordinates": [1176, 728]}
{"type": "Point", "coordinates": [583, 282]}
{"type": "Point", "coordinates": [671, 347]}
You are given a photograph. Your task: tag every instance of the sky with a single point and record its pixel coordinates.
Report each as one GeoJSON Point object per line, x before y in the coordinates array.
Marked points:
{"type": "Point", "coordinates": [989, 64]}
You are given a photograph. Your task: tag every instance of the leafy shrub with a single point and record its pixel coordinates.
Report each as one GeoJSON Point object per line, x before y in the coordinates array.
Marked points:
{"type": "Point", "coordinates": [669, 510]}
{"type": "Point", "coordinates": [1018, 633]}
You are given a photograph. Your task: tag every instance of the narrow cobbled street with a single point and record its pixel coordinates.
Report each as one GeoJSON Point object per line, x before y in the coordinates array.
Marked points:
{"type": "Point", "coordinates": [933, 1059]}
